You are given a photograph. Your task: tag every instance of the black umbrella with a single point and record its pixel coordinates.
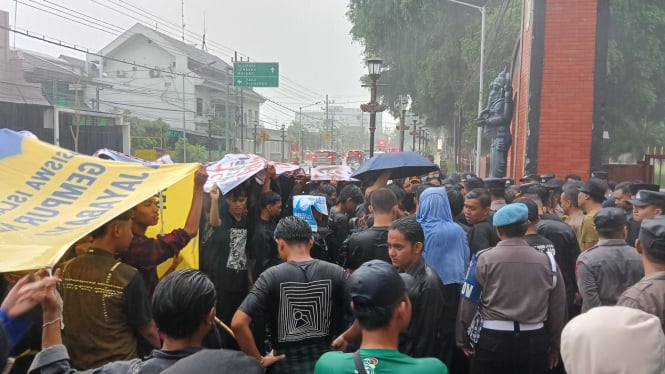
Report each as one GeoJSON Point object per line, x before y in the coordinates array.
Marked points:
{"type": "Point", "coordinates": [402, 164]}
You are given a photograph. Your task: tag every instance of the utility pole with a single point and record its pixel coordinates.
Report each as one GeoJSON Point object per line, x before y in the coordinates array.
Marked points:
{"type": "Point", "coordinates": [283, 139]}
{"type": "Point", "coordinates": [184, 126]}
{"type": "Point", "coordinates": [403, 100]}
{"type": "Point", "coordinates": [256, 133]}
{"type": "Point", "coordinates": [327, 124]}
{"type": "Point", "coordinates": [226, 111]}
{"type": "Point", "coordinates": [413, 134]}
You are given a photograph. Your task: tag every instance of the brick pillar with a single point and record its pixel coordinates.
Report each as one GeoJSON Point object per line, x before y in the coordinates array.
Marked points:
{"type": "Point", "coordinates": [559, 74]}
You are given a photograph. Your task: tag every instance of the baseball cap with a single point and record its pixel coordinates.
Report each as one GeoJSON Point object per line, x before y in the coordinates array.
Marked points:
{"type": "Point", "coordinates": [414, 180]}
{"type": "Point", "coordinates": [643, 186]}
{"type": "Point", "coordinates": [646, 197]}
{"type": "Point", "coordinates": [509, 214]}
{"type": "Point", "coordinates": [610, 218]}
{"type": "Point", "coordinates": [652, 236]}
{"type": "Point", "coordinates": [594, 187]}
{"type": "Point", "coordinates": [379, 283]}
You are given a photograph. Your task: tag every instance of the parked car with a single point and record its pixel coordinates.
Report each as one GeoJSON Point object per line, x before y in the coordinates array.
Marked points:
{"type": "Point", "coordinates": [325, 157]}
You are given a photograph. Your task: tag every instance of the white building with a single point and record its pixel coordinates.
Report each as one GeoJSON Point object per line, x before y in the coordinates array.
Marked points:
{"type": "Point", "coordinates": [155, 76]}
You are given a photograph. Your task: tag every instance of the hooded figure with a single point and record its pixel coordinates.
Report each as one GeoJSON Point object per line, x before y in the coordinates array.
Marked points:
{"type": "Point", "coordinates": [446, 248]}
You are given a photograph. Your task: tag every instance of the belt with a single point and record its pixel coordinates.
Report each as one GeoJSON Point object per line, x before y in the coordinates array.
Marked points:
{"type": "Point", "coordinates": [511, 326]}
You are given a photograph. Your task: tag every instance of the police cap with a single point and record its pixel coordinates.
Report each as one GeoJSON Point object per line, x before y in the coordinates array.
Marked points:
{"type": "Point", "coordinates": [645, 197]}
{"type": "Point", "coordinates": [610, 218]}
{"type": "Point", "coordinates": [652, 237]}
{"type": "Point", "coordinates": [643, 186]}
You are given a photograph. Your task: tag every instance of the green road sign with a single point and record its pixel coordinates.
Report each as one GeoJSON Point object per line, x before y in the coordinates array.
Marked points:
{"type": "Point", "coordinates": [256, 74]}
{"type": "Point", "coordinates": [175, 134]}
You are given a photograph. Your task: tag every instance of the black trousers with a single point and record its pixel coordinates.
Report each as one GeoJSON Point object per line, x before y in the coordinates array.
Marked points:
{"type": "Point", "coordinates": [509, 352]}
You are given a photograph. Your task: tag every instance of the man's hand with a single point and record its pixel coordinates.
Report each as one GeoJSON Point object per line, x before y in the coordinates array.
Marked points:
{"type": "Point", "coordinates": [25, 295]}
{"type": "Point", "coordinates": [271, 171]}
{"type": "Point", "coordinates": [214, 192]}
{"type": "Point", "coordinates": [270, 359]}
{"type": "Point", "coordinates": [340, 343]}
{"type": "Point", "coordinates": [468, 351]}
{"type": "Point", "coordinates": [201, 176]}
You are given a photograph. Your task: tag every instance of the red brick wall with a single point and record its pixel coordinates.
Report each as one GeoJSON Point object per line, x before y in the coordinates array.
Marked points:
{"type": "Point", "coordinates": [567, 92]}
{"type": "Point", "coordinates": [568, 84]}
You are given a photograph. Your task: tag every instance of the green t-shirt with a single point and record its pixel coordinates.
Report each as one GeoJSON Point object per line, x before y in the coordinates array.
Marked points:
{"type": "Point", "coordinates": [378, 361]}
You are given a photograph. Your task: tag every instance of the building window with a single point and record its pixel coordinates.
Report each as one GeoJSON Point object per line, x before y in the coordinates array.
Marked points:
{"type": "Point", "coordinates": [199, 106]}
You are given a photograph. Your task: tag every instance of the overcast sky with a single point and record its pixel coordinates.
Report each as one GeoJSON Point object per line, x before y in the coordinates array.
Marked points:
{"type": "Point", "coordinates": [309, 38]}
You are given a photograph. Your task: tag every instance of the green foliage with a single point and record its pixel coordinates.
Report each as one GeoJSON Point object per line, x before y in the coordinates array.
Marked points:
{"type": "Point", "coordinates": [195, 152]}
{"type": "Point", "coordinates": [431, 51]}
{"type": "Point", "coordinates": [636, 77]}
{"type": "Point", "coordinates": [146, 134]}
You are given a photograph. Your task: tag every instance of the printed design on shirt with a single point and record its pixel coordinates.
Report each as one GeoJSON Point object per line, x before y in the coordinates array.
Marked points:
{"type": "Point", "coordinates": [304, 310]}
{"type": "Point", "coordinates": [546, 248]}
{"type": "Point", "coordinates": [237, 255]}
{"type": "Point", "coordinates": [370, 364]}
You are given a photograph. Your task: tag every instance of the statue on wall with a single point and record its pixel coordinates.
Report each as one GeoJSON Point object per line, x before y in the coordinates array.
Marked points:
{"type": "Point", "coordinates": [496, 122]}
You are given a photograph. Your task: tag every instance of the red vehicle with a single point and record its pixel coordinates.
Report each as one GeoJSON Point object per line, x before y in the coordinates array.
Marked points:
{"type": "Point", "coordinates": [325, 157]}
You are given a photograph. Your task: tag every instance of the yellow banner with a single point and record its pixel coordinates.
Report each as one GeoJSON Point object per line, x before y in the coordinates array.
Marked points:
{"type": "Point", "coordinates": [50, 197]}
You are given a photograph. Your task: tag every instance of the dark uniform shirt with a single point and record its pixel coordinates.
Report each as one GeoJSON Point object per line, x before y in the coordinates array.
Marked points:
{"type": "Point", "coordinates": [606, 270]}
{"type": "Point", "coordinates": [366, 245]}
{"type": "Point", "coordinates": [647, 295]}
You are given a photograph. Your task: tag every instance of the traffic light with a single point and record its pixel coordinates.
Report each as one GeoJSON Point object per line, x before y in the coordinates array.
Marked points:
{"type": "Point", "coordinates": [382, 143]}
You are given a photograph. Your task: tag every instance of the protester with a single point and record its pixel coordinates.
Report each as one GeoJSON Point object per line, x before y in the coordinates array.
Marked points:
{"type": "Point", "coordinates": [497, 189]}
{"type": "Point", "coordinates": [371, 244]}
{"type": "Point", "coordinates": [184, 310]}
{"type": "Point", "coordinates": [513, 289]}
{"type": "Point", "coordinates": [426, 335]}
{"type": "Point", "coordinates": [303, 300]}
{"type": "Point", "coordinates": [649, 293]}
{"type": "Point", "coordinates": [224, 258]}
{"type": "Point", "coordinates": [21, 299]}
{"type": "Point", "coordinates": [381, 305]}
{"type": "Point", "coordinates": [218, 361]}
{"type": "Point", "coordinates": [574, 215]}
{"type": "Point", "coordinates": [262, 249]}
{"type": "Point", "coordinates": [349, 198]}
{"type": "Point", "coordinates": [531, 236]}
{"type": "Point", "coordinates": [146, 253]}
{"type": "Point", "coordinates": [613, 339]}
{"type": "Point", "coordinates": [607, 269]}
{"type": "Point", "coordinates": [476, 211]}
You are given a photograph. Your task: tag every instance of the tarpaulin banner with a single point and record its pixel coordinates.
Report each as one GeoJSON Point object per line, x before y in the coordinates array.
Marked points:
{"type": "Point", "coordinates": [302, 207]}
{"type": "Point", "coordinates": [234, 169]}
{"type": "Point", "coordinates": [336, 172]}
{"type": "Point", "coordinates": [50, 197]}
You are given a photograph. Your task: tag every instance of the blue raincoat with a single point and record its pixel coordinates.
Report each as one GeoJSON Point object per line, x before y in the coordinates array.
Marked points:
{"type": "Point", "coordinates": [446, 247]}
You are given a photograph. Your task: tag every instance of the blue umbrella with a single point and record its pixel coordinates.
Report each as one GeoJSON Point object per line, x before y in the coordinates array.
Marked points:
{"type": "Point", "coordinates": [402, 164]}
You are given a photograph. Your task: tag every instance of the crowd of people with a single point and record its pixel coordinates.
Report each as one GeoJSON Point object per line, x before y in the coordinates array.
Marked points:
{"type": "Point", "coordinates": [429, 274]}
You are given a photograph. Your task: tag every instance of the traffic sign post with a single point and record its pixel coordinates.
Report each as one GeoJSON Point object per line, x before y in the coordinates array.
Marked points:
{"type": "Point", "coordinates": [256, 74]}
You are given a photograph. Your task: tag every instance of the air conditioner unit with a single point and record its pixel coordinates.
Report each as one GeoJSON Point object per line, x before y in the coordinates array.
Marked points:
{"type": "Point", "coordinates": [121, 74]}
{"type": "Point", "coordinates": [155, 73]}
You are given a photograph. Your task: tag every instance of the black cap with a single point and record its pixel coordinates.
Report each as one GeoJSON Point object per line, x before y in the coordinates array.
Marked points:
{"type": "Point", "coordinates": [530, 177]}
{"type": "Point", "coordinates": [495, 183]}
{"type": "Point", "coordinates": [643, 186]}
{"type": "Point", "coordinates": [646, 197]}
{"type": "Point", "coordinates": [554, 183]}
{"type": "Point", "coordinates": [509, 181]}
{"type": "Point", "coordinates": [599, 174]}
{"type": "Point", "coordinates": [594, 187]}
{"type": "Point", "coordinates": [524, 188]}
{"type": "Point", "coordinates": [610, 218]}
{"type": "Point", "coordinates": [545, 177]}
{"type": "Point", "coordinates": [378, 282]}
{"type": "Point", "coordinates": [652, 236]}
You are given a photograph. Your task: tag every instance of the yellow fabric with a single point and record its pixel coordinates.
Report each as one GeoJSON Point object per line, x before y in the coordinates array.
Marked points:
{"type": "Point", "coordinates": [50, 197]}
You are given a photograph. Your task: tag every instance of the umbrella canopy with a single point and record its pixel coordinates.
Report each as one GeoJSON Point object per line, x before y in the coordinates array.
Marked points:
{"type": "Point", "coordinates": [402, 164]}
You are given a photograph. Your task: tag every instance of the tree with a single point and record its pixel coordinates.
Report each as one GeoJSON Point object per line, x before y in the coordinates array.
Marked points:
{"type": "Point", "coordinates": [195, 152]}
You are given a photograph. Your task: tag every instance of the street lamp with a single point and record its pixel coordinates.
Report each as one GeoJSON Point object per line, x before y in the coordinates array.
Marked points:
{"type": "Point", "coordinates": [210, 116]}
{"type": "Point", "coordinates": [300, 146]}
{"type": "Point", "coordinates": [479, 135]}
{"type": "Point", "coordinates": [374, 67]}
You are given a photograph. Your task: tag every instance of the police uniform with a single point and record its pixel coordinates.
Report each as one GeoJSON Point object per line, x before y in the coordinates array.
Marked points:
{"type": "Point", "coordinates": [510, 291]}
{"type": "Point", "coordinates": [649, 293]}
{"type": "Point", "coordinates": [608, 268]}
{"type": "Point", "coordinates": [634, 226]}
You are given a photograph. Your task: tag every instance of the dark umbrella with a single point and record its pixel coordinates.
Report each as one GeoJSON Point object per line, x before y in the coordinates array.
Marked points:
{"type": "Point", "coordinates": [402, 164]}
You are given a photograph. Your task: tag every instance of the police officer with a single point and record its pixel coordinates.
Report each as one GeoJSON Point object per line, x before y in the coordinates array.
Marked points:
{"type": "Point", "coordinates": [649, 293]}
{"type": "Point", "coordinates": [510, 290]}
{"type": "Point", "coordinates": [633, 221]}
{"type": "Point", "coordinates": [608, 268]}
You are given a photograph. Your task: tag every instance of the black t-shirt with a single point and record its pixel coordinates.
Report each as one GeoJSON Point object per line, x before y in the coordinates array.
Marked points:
{"type": "Point", "coordinates": [339, 224]}
{"type": "Point", "coordinates": [540, 243]}
{"type": "Point", "coordinates": [224, 257]}
{"type": "Point", "coordinates": [370, 244]}
{"type": "Point", "coordinates": [262, 249]}
{"type": "Point", "coordinates": [482, 236]}
{"type": "Point", "coordinates": [304, 302]}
